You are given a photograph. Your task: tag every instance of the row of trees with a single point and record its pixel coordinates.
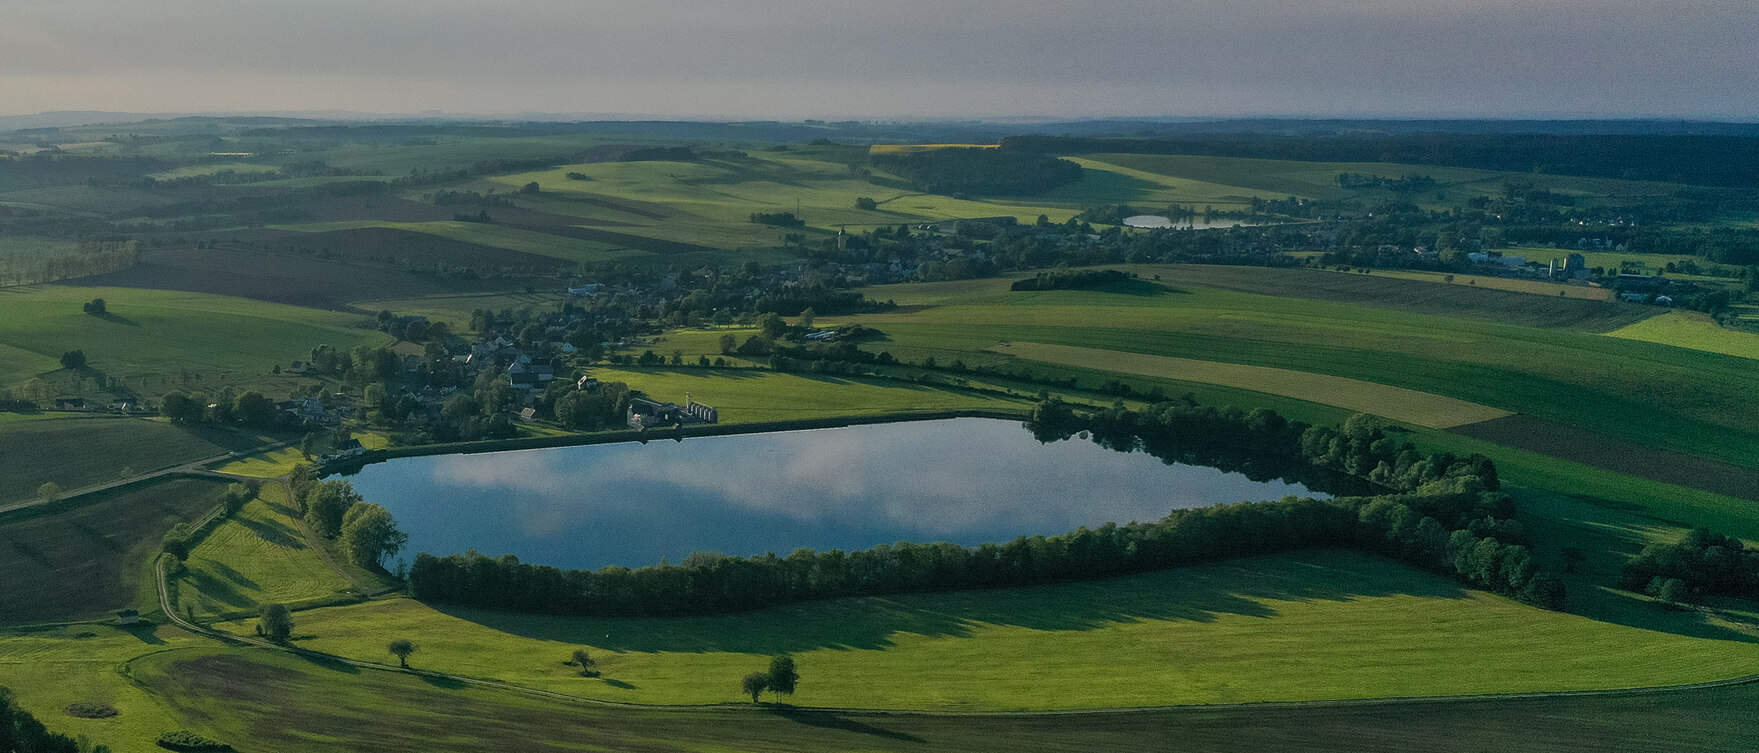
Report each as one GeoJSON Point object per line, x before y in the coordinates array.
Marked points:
{"type": "Point", "coordinates": [1701, 564]}
{"type": "Point", "coordinates": [333, 509]}
{"type": "Point", "coordinates": [224, 407]}
{"type": "Point", "coordinates": [1071, 279]}
{"type": "Point", "coordinates": [1442, 523]}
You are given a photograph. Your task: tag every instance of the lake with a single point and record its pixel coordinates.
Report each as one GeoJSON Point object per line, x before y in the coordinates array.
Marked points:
{"type": "Point", "coordinates": [966, 480]}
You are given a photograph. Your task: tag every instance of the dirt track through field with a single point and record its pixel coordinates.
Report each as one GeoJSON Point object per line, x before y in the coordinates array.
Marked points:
{"type": "Point", "coordinates": [1601, 451]}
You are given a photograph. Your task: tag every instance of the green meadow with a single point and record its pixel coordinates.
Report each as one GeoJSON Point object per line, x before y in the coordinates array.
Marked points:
{"type": "Point", "coordinates": [150, 337]}
{"type": "Point", "coordinates": [753, 396]}
{"type": "Point", "coordinates": [1693, 331]}
{"type": "Point", "coordinates": [1314, 625]}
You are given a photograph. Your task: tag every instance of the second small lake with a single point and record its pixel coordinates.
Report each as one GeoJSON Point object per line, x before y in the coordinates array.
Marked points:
{"type": "Point", "coordinates": [967, 481]}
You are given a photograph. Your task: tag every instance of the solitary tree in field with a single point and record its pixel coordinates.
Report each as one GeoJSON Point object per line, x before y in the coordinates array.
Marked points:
{"type": "Point", "coordinates": [584, 661]}
{"type": "Point", "coordinates": [782, 677]}
{"type": "Point", "coordinates": [95, 307]}
{"type": "Point", "coordinates": [305, 445]}
{"type": "Point", "coordinates": [402, 648]}
{"type": "Point", "coordinates": [755, 684]}
{"type": "Point", "coordinates": [73, 359]}
{"type": "Point", "coordinates": [49, 492]}
{"type": "Point", "coordinates": [275, 623]}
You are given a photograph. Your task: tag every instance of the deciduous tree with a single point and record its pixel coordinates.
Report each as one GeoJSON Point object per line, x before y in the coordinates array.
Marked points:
{"type": "Point", "coordinates": [275, 622]}
{"type": "Point", "coordinates": [782, 677]}
{"type": "Point", "coordinates": [370, 535]}
{"type": "Point", "coordinates": [755, 684]}
{"type": "Point", "coordinates": [402, 648]}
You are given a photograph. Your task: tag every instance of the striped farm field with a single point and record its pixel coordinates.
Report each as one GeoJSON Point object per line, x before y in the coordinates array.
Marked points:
{"type": "Point", "coordinates": [258, 556]}
{"type": "Point", "coordinates": [1396, 403]}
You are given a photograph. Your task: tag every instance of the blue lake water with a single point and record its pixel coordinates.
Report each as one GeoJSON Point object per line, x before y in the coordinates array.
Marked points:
{"type": "Point", "coordinates": [967, 481]}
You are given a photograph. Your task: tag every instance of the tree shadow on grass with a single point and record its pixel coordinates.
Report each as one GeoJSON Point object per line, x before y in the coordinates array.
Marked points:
{"type": "Point", "coordinates": [831, 720]}
{"type": "Point", "coordinates": [146, 632]}
{"type": "Point", "coordinates": [1246, 587]}
{"type": "Point", "coordinates": [115, 318]}
{"type": "Point", "coordinates": [1592, 592]}
{"type": "Point", "coordinates": [1140, 287]}
{"type": "Point", "coordinates": [325, 662]}
{"type": "Point", "coordinates": [445, 683]}
{"type": "Point", "coordinates": [232, 574]}
{"type": "Point", "coordinates": [214, 588]}
{"type": "Point", "coordinates": [30, 553]}
{"type": "Point", "coordinates": [273, 531]}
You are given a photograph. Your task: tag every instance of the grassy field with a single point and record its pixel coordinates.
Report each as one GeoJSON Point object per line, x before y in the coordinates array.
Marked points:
{"type": "Point", "coordinates": [86, 663]}
{"type": "Point", "coordinates": [1313, 625]}
{"type": "Point", "coordinates": [1398, 404]}
{"type": "Point", "coordinates": [270, 464]}
{"type": "Point", "coordinates": [1683, 329]}
{"type": "Point", "coordinates": [272, 702]}
{"type": "Point", "coordinates": [259, 556]}
{"type": "Point", "coordinates": [1695, 402]}
{"type": "Point", "coordinates": [73, 451]}
{"type": "Point", "coordinates": [150, 337]}
{"type": "Point", "coordinates": [85, 558]}
{"type": "Point", "coordinates": [750, 396]}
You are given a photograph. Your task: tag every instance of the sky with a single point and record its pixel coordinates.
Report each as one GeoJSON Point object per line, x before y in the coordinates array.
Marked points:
{"type": "Point", "coordinates": [790, 59]}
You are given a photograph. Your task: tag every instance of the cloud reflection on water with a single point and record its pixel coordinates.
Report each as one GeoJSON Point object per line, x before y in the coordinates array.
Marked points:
{"type": "Point", "coordinates": [965, 480]}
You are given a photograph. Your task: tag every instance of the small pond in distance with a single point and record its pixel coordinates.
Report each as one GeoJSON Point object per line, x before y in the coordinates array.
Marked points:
{"type": "Point", "coordinates": [967, 481]}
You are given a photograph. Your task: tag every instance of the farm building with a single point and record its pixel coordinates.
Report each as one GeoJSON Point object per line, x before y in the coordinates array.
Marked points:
{"type": "Point", "coordinates": [644, 413]}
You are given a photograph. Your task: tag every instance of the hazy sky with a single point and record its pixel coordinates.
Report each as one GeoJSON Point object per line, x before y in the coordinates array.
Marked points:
{"type": "Point", "coordinates": [904, 58]}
